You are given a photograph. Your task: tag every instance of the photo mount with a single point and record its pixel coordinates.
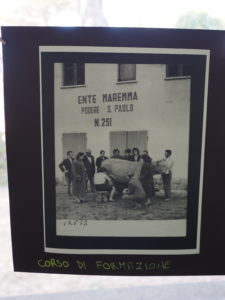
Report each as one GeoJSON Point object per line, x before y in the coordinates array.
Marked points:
{"type": "Point", "coordinates": [198, 60]}
{"type": "Point", "coordinates": [28, 254]}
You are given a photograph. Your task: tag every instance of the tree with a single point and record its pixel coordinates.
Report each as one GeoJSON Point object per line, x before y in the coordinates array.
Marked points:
{"type": "Point", "coordinates": [40, 13]}
{"type": "Point", "coordinates": [93, 14]}
{"type": "Point", "coordinates": [34, 12]}
{"type": "Point", "coordinates": [199, 20]}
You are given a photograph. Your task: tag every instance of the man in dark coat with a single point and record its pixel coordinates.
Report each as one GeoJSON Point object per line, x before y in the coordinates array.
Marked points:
{"type": "Point", "coordinates": [100, 159]}
{"type": "Point", "coordinates": [127, 155]}
{"type": "Point", "coordinates": [65, 166]}
{"type": "Point", "coordinates": [116, 154]}
{"type": "Point", "coordinates": [89, 163]}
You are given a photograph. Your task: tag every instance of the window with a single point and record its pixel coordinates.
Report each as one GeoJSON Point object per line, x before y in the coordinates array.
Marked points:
{"type": "Point", "coordinates": [128, 139]}
{"type": "Point", "coordinates": [126, 72]}
{"type": "Point", "coordinates": [73, 74]}
{"type": "Point", "coordinates": [178, 70]}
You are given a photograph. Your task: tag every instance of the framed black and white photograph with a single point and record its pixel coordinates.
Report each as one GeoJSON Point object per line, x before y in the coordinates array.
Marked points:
{"type": "Point", "coordinates": [123, 139]}
{"type": "Point", "coordinates": [115, 142]}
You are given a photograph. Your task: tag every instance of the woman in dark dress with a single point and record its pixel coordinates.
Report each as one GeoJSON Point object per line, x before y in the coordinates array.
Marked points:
{"type": "Point", "coordinates": [79, 178]}
{"type": "Point", "coordinates": [146, 178]}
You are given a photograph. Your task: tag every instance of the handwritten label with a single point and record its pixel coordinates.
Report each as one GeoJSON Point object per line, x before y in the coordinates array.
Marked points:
{"type": "Point", "coordinates": [81, 264]}
{"type": "Point", "coordinates": [132, 266]}
{"type": "Point", "coordinates": [53, 263]}
{"type": "Point", "coordinates": [106, 266]}
{"type": "Point", "coordinates": [80, 222]}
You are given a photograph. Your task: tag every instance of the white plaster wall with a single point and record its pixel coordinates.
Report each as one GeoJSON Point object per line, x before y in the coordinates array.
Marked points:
{"type": "Point", "coordinates": [162, 108]}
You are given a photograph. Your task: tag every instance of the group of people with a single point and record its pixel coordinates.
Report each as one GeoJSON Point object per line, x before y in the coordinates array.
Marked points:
{"type": "Point", "coordinates": [81, 173]}
{"type": "Point", "coordinates": [141, 188]}
{"type": "Point", "coordinates": [129, 154]}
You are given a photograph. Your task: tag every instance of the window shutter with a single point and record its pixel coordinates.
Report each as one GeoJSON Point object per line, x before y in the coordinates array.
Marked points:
{"type": "Point", "coordinates": [127, 72]}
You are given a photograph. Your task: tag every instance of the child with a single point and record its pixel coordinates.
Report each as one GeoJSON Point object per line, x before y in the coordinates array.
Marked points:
{"type": "Point", "coordinates": [104, 184]}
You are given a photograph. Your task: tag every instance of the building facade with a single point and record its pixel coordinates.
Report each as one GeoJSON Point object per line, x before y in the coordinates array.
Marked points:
{"type": "Point", "coordinates": [103, 106]}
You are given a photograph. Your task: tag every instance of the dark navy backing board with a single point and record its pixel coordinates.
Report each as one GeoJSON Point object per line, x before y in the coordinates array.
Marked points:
{"type": "Point", "coordinates": [33, 221]}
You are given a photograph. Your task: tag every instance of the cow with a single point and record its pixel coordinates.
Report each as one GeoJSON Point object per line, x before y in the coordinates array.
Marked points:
{"type": "Point", "coordinates": [119, 168]}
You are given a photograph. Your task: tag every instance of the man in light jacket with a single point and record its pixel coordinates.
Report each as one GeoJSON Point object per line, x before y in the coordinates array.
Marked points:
{"type": "Point", "coordinates": [168, 164]}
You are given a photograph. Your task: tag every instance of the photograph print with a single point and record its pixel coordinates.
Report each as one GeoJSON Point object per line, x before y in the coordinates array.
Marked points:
{"type": "Point", "coordinates": [123, 133]}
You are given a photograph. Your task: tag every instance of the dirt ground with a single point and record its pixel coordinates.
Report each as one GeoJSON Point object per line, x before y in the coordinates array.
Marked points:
{"type": "Point", "coordinates": [120, 209]}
